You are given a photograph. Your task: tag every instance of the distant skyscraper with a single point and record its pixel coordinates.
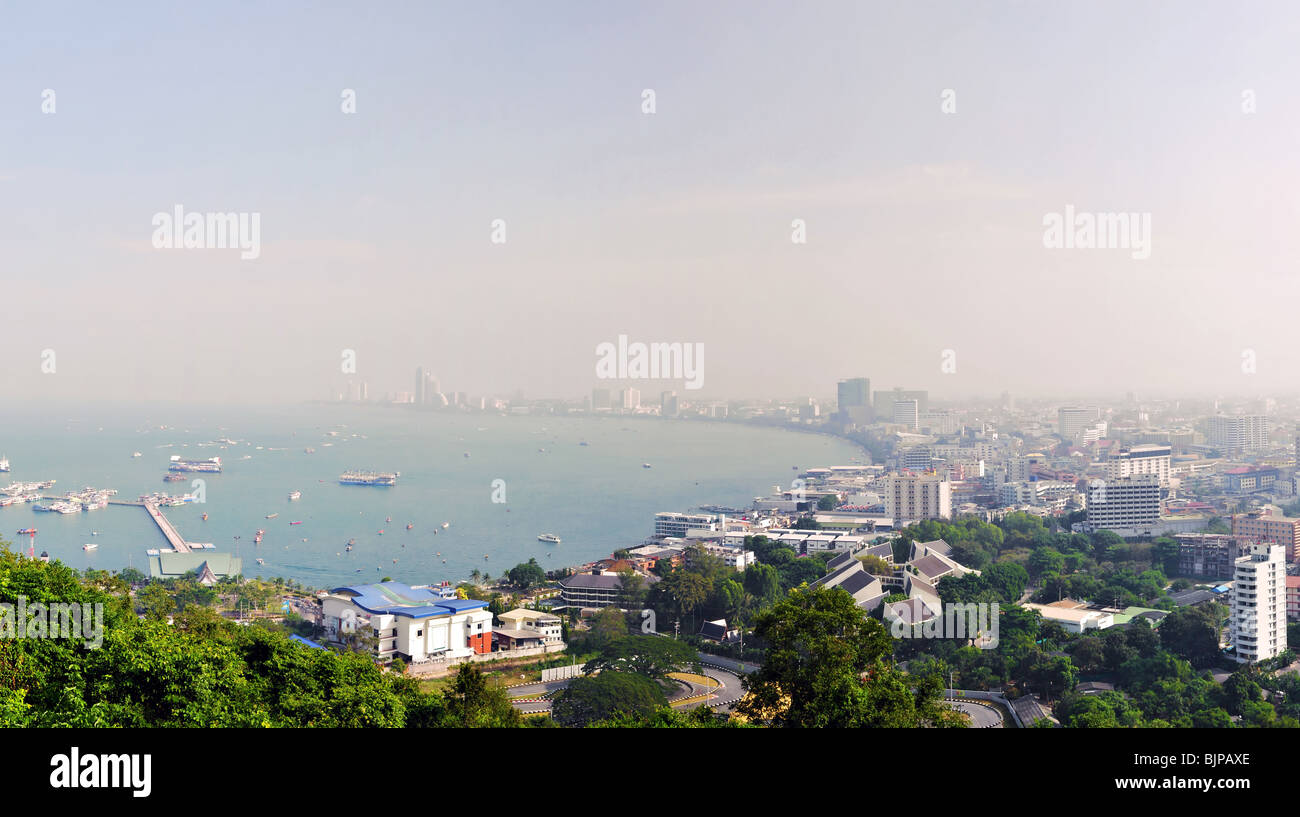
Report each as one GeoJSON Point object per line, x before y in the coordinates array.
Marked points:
{"type": "Point", "coordinates": [884, 401]}
{"type": "Point", "coordinates": [853, 397]}
{"type": "Point", "coordinates": [599, 399]}
{"type": "Point", "coordinates": [668, 404]}
{"type": "Point", "coordinates": [905, 412]}
{"type": "Point", "coordinates": [419, 386]}
{"type": "Point", "coordinates": [1073, 419]}
{"type": "Point", "coordinates": [631, 399]}
{"type": "Point", "coordinates": [1241, 433]}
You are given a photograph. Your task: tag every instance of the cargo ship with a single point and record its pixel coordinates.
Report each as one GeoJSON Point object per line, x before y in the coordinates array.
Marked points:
{"type": "Point", "coordinates": [212, 465]}
{"type": "Point", "coordinates": [384, 479]}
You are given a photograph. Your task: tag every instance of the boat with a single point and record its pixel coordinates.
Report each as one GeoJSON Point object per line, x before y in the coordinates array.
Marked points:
{"type": "Point", "coordinates": [90, 546]}
{"type": "Point", "coordinates": [549, 537]}
{"type": "Point", "coordinates": [212, 465]}
{"type": "Point", "coordinates": [645, 465]}
{"type": "Point", "coordinates": [299, 522]}
{"type": "Point", "coordinates": [348, 548]}
{"type": "Point", "coordinates": [351, 542]}
{"type": "Point", "coordinates": [205, 517]}
{"type": "Point", "coordinates": [389, 519]}
{"type": "Point", "coordinates": [174, 478]}
{"type": "Point", "coordinates": [4, 464]}
{"type": "Point", "coordinates": [381, 531]}
{"type": "Point", "coordinates": [295, 495]}
{"type": "Point", "coordinates": [446, 525]}
{"type": "Point", "coordinates": [136, 454]}
{"type": "Point", "coordinates": [272, 515]}
{"type": "Point", "coordinates": [261, 561]}
{"type": "Point", "coordinates": [381, 478]}
{"type": "Point", "coordinates": [409, 526]}
{"type": "Point", "coordinates": [309, 451]}
{"type": "Point", "coordinates": [27, 531]}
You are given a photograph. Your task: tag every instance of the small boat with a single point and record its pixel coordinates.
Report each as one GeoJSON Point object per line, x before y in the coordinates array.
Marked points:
{"type": "Point", "coordinates": [549, 537]}
{"type": "Point", "coordinates": [27, 531]}
{"type": "Point", "coordinates": [261, 561]}
{"type": "Point", "coordinates": [485, 557]}
{"type": "Point", "coordinates": [295, 495]}
{"type": "Point", "coordinates": [466, 455]}
{"type": "Point", "coordinates": [446, 525]}
{"type": "Point", "coordinates": [351, 542]}
{"type": "Point", "coordinates": [409, 526]}
{"type": "Point", "coordinates": [260, 531]}
{"type": "Point", "coordinates": [348, 548]}
{"type": "Point", "coordinates": [389, 519]}
{"type": "Point", "coordinates": [90, 546]}
{"type": "Point", "coordinates": [272, 515]}
{"type": "Point", "coordinates": [94, 533]}
{"type": "Point", "coordinates": [645, 465]}
{"type": "Point", "coordinates": [205, 517]}
{"type": "Point", "coordinates": [381, 531]}
{"type": "Point", "coordinates": [299, 522]}
{"type": "Point", "coordinates": [136, 454]}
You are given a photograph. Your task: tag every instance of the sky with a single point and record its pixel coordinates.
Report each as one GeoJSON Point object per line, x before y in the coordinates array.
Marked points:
{"type": "Point", "coordinates": [924, 222]}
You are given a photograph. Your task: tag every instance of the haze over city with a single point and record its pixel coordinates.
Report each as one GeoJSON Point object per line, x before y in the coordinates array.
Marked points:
{"type": "Point", "coordinates": [924, 224]}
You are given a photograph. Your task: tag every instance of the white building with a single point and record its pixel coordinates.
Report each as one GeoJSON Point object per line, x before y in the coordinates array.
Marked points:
{"type": "Point", "coordinates": [916, 496]}
{"type": "Point", "coordinates": [412, 623]}
{"type": "Point", "coordinates": [1073, 419]}
{"type": "Point", "coordinates": [674, 524]}
{"type": "Point", "coordinates": [1257, 627]}
{"type": "Point", "coordinates": [1141, 459]}
{"type": "Point", "coordinates": [907, 413]}
{"type": "Point", "coordinates": [1129, 506]}
{"type": "Point", "coordinates": [544, 624]}
{"type": "Point", "coordinates": [1239, 433]}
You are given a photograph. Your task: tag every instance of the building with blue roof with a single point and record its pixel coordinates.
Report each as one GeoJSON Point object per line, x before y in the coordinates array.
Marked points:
{"type": "Point", "coordinates": [415, 624]}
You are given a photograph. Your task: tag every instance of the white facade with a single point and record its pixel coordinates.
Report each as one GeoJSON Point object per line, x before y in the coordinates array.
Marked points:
{"type": "Point", "coordinates": [1073, 419]}
{"type": "Point", "coordinates": [1125, 504]}
{"type": "Point", "coordinates": [916, 496]}
{"type": "Point", "coordinates": [678, 525]}
{"type": "Point", "coordinates": [1241, 433]}
{"type": "Point", "coordinates": [447, 635]}
{"type": "Point", "coordinates": [1257, 627]}
{"type": "Point", "coordinates": [1141, 459]}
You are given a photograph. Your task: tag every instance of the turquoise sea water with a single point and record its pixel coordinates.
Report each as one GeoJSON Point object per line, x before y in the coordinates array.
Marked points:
{"type": "Point", "coordinates": [596, 497]}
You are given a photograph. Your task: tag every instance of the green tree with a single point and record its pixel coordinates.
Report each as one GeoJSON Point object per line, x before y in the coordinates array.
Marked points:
{"type": "Point", "coordinates": [610, 694]}
{"type": "Point", "coordinates": [472, 703]}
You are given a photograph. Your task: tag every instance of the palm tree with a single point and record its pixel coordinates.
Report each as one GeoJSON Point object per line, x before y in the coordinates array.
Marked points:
{"type": "Point", "coordinates": [476, 575]}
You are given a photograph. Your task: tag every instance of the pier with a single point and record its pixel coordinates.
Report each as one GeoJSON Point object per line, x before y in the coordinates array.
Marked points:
{"type": "Point", "coordinates": [173, 536]}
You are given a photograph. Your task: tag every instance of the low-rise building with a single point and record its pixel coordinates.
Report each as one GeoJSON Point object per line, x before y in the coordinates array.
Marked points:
{"type": "Point", "coordinates": [411, 623]}
{"type": "Point", "coordinates": [544, 624]}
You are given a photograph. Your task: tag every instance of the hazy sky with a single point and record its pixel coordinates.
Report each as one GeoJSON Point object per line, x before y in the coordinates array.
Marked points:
{"type": "Point", "coordinates": [924, 228]}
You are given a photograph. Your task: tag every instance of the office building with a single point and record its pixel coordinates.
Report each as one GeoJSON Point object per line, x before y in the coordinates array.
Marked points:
{"type": "Point", "coordinates": [906, 413]}
{"type": "Point", "coordinates": [883, 401]}
{"type": "Point", "coordinates": [853, 400]}
{"type": "Point", "coordinates": [411, 623]}
{"type": "Point", "coordinates": [1129, 506]}
{"type": "Point", "coordinates": [1239, 433]}
{"type": "Point", "coordinates": [1141, 459]}
{"type": "Point", "coordinates": [1073, 419]}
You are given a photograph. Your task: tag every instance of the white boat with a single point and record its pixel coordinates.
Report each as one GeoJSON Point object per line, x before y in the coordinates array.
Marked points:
{"type": "Point", "coordinates": [136, 454]}
{"type": "Point", "coordinates": [549, 537]}
{"type": "Point", "coordinates": [4, 463]}
{"type": "Point", "coordinates": [446, 525]}
{"type": "Point", "coordinates": [90, 546]}
{"type": "Point", "coordinates": [295, 495]}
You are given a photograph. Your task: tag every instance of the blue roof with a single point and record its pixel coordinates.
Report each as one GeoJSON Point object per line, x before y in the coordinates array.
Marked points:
{"type": "Point", "coordinates": [397, 599]}
{"type": "Point", "coordinates": [306, 641]}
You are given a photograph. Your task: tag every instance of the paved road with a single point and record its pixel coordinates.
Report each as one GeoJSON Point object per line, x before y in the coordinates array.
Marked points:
{"type": "Point", "coordinates": [981, 717]}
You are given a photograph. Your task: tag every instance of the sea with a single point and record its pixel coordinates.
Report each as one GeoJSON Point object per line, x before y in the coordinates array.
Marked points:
{"type": "Point", "coordinates": [495, 481]}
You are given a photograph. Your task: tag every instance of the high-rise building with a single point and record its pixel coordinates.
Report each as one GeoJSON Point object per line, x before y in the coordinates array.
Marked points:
{"type": "Point", "coordinates": [1246, 432]}
{"type": "Point", "coordinates": [419, 386]}
{"type": "Point", "coordinates": [907, 413]}
{"type": "Point", "coordinates": [630, 399]}
{"type": "Point", "coordinates": [668, 404]}
{"type": "Point", "coordinates": [600, 399]}
{"type": "Point", "coordinates": [1141, 459]}
{"type": "Point", "coordinates": [883, 401]}
{"type": "Point", "coordinates": [853, 399]}
{"type": "Point", "coordinates": [1127, 505]}
{"type": "Point", "coordinates": [1073, 419]}
{"type": "Point", "coordinates": [1257, 626]}
{"type": "Point", "coordinates": [916, 496]}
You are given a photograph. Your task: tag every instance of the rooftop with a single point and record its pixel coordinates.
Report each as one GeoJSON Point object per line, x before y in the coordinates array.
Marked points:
{"type": "Point", "coordinates": [397, 599]}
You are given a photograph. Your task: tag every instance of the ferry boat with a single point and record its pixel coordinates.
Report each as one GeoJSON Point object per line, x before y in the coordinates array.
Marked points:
{"type": "Point", "coordinates": [174, 478]}
{"type": "Point", "coordinates": [4, 464]}
{"type": "Point", "coordinates": [27, 531]}
{"type": "Point", "coordinates": [549, 537]}
{"type": "Point", "coordinates": [212, 465]}
{"type": "Point", "coordinates": [383, 479]}
{"type": "Point", "coordinates": [90, 546]}
{"type": "Point", "coordinates": [295, 495]}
